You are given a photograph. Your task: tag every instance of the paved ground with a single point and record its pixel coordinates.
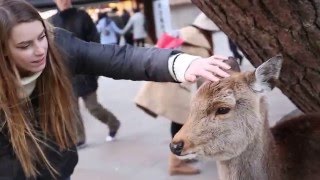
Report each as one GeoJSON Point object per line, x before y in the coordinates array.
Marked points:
{"type": "Point", "coordinates": [142, 149]}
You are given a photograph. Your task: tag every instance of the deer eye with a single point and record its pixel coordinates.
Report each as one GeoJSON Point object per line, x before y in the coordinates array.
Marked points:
{"type": "Point", "coordinates": [222, 110]}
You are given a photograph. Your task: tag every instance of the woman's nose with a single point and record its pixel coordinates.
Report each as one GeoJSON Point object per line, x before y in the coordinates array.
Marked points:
{"type": "Point", "coordinates": [39, 51]}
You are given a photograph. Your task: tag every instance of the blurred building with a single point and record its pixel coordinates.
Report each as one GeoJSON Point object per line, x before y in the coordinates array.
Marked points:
{"type": "Point", "coordinates": [183, 13]}
{"type": "Point", "coordinates": [49, 4]}
{"type": "Point", "coordinates": [161, 15]}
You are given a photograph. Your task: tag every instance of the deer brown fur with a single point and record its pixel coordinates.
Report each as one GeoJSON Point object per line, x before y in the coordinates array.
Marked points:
{"type": "Point", "coordinates": [228, 123]}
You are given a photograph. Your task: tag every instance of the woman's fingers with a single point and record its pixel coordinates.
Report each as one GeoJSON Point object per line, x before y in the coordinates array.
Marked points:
{"type": "Point", "coordinates": [211, 68]}
{"type": "Point", "coordinates": [208, 75]}
{"type": "Point", "coordinates": [219, 57]}
{"type": "Point", "coordinates": [219, 63]}
{"type": "Point", "coordinates": [217, 71]}
{"type": "Point", "coordinates": [201, 73]}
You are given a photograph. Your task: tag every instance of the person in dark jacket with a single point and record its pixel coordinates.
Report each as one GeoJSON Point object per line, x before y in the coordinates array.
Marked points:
{"type": "Point", "coordinates": [234, 49]}
{"type": "Point", "coordinates": [37, 108]}
{"type": "Point", "coordinates": [128, 36]}
{"type": "Point", "coordinates": [85, 86]}
{"type": "Point", "coordinates": [117, 20]}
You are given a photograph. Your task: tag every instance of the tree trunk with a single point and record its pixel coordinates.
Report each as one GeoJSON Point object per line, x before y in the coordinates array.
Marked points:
{"type": "Point", "coordinates": [264, 28]}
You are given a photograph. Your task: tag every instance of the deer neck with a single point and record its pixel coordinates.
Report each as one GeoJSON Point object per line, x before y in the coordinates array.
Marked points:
{"type": "Point", "coordinates": [258, 161]}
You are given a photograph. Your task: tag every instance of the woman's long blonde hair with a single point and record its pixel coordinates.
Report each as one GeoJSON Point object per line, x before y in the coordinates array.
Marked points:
{"type": "Point", "coordinates": [29, 129]}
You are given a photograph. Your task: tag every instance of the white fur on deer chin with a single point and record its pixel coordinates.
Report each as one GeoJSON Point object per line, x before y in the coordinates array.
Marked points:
{"type": "Point", "coordinates": [188, 156]}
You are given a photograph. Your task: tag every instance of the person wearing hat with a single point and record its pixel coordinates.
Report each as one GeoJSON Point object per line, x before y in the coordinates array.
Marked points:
{"type": "Point", "coordinates": [172, 100]}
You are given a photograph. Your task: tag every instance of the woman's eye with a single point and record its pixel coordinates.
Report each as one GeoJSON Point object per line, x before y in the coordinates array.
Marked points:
{"type": "Point", "coordinates": [43, 36]}
{"type": "Point", "coordinates": [222, 110]}
{"type": "Point", "coordinates": [24, 46]}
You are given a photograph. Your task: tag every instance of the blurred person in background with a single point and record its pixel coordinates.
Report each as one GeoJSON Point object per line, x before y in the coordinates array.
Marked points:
{"type": "Point", "coordinates": [113, 15]}
{"type": "Point", "coordinates": [108, 30]}
{"type": "Point", "coordinates": [85, 86]}
{"type": "Point", "coordinates": [234, 49]}
{"type": "Point", "coordinates": [137, 23]}
{"type": "Point", "coordinates": [100, 16]}
{"type": "Point", "coordinates": [128, 35]}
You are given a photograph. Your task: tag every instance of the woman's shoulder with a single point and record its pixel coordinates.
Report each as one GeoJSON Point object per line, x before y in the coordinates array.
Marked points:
{"type": "Point", "coordinates": [59, 33]}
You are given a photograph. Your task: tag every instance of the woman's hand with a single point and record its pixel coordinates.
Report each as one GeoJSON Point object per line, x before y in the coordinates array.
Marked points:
{"type": "Point", "coordinates": [212, 68]}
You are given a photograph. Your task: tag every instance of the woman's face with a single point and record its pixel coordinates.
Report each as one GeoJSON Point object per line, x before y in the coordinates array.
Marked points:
{"type": "Point", "coordinates": [28, 46]}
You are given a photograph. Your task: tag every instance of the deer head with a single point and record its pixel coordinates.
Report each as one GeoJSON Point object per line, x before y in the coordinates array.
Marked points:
{"type": "Point", "coordinates": [226, 116]}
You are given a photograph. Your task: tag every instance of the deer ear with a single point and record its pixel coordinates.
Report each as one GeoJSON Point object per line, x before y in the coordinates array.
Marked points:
{"type": "Point", "coordinates": [266, 74]}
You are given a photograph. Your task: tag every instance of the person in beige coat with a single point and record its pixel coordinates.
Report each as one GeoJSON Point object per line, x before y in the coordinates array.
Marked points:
{"type": "Point", "coordinates": [172, 100]}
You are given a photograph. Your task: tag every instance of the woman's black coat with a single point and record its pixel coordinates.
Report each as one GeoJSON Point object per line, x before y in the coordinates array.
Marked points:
{"type": "Point", "coordinates": [81, 25]}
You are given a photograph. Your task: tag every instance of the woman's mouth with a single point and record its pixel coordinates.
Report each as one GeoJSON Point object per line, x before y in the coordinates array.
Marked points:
{"type": "Point", "coordinates": [39, 62]}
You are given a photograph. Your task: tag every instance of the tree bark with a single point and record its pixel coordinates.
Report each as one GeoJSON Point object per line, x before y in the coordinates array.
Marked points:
{"type": "Point", "coordinates": [264, 28]}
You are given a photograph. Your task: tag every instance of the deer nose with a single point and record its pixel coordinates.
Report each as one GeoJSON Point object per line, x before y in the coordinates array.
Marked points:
{"type": "Point", "coordinates": [176, 147]}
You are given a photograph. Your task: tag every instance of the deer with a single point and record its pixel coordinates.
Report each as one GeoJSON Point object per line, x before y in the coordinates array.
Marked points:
{"type": "Point", "coordinates": [228, 123]}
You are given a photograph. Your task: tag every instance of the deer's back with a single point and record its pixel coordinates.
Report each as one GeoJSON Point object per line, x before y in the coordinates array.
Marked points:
{"type": "Point", "coordinates": [298, 146]}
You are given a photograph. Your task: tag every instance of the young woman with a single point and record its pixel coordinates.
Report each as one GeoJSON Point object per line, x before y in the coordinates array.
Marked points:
{"type": "Point", "coordinates": [37, 119]}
